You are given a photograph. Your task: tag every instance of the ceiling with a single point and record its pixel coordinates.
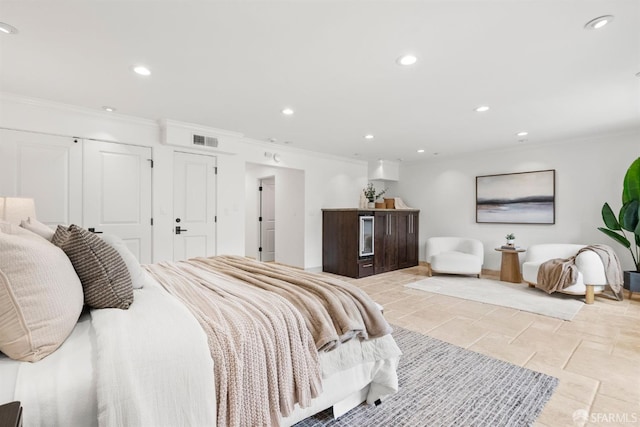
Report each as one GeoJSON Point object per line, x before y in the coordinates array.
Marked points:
{"type": "Point", "coordinates": [235, 65]}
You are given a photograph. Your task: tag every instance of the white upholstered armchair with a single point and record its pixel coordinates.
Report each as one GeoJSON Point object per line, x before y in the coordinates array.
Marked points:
{"type": "Point", "coordinates": [591, 273]}
{"type": "Point", "coordinates": [455, 255]}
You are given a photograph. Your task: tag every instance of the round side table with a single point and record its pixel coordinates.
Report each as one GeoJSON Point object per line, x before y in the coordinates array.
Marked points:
{"type": "Point", "coordinates": [510, 265]}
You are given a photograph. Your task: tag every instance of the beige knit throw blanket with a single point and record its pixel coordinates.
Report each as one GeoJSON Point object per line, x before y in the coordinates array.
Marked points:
{"type": "Point", "coordinates": [334, 310]}
{"type": "Point", "coordinates": [556, 274]}
{"type": "Point", "coordinates": [264, 357]}
{"type": "Point", "coordinates": [264, 323]}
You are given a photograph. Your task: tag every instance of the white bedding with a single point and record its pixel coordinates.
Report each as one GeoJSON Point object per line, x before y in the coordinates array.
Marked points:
{"type": "Point", "coordinates": [150, 365]}
{"type": "Point", "coordinates": [60, 389]}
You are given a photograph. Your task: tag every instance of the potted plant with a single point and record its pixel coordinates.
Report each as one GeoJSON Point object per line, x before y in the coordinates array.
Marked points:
{"type": "Point", "coordinates": [628, 220]}
{"type": "Point", "coordinates": [371, 194]}
{"type": "Point", "coordinates": [510, 239]}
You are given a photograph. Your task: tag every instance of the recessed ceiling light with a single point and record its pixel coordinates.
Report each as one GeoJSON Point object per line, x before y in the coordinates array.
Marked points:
{"type": "Point", "coordinates": [109, 109]}
{"type": "Point", "coordinates": [8, 29]}
{"type": "Point", "coordinates": [368, 136]}
{"type": "Point", "coordinates": [142, 70]}
{"type": "Point", "coordinates": [482, 108]}
{"type": "Point", "coordinates": [421, 151]}
{"type": "Point", "coordinates": [287, 111]}
{"type": "Point", "coordinates": [407, 60]}
{"type": "Point", "coordinates": [597, 23]}
{"type": "Point", "coordinates": [522, 133]}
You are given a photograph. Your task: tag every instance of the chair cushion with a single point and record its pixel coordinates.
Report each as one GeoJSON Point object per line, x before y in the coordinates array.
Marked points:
{"type": "Point", "coordinates": [456, 263]}
{"type": "Point", "coordinates": [530, 275]}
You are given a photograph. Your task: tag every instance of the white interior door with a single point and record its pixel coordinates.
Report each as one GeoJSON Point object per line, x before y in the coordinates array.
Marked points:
{"type": "Point", "coordinates": [267, 219]}
{"type": "Point", "coordinates": [117, 193]}
{"type": "Point", "coordinates": [46, 168]}
{"type": "Point", "coordinates": [194, 206]}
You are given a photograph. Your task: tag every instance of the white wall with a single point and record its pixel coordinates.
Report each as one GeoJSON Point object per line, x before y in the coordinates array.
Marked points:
{"type": "Point", "coordinates": [588, 173]}
{"type": "Point", "coordinates": [329, 181]}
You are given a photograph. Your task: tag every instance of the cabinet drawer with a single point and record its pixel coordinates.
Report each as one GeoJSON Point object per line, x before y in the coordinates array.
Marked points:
{"type": "Point", "coordinates": [365, 268]}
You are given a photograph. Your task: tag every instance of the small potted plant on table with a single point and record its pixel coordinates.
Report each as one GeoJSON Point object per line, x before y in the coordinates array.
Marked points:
{"type": "Point", "coordinates": [510, 239]}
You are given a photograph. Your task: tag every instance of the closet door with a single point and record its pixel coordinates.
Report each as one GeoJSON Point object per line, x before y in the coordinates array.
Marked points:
{"type": "Point", "coordinates": [46, 168]}
{"type": "Point", "coordinates": [117, 193]}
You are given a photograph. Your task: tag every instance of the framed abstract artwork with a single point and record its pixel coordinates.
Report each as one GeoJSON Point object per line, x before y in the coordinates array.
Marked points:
{"type": "Point", "coordinates": [517, 198]}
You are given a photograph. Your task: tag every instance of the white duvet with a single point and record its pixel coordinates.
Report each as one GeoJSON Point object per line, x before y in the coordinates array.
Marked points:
{"type": "Point", "coordinates": [146, 366]}
{"type": "Point", "coordinates": [151, 366]}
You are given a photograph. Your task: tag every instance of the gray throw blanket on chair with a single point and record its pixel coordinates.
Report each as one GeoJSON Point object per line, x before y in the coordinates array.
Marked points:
{"type": "Point", "coordinates": [556, 274]}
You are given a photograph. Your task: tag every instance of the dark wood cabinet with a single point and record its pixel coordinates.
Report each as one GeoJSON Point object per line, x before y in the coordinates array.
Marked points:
{"type": "Point", "coordinates": [407, 239]}
{"type": "Point", "coordinates": [386, 242]}
{"type": "Point", "coordinates": [340, 240]}
{"type": "Point", "coordinates": [395, 241]}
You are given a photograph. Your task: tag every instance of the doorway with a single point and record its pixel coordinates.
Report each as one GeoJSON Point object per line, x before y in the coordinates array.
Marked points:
{"type": "Point", "coordinates": [194, 206]}
{"type": "Point", "coordinates": [267, 219]}
{"type": "Point", "coordinates": [289, 213]}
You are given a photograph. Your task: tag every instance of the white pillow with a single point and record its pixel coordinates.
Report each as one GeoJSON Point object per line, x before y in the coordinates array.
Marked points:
{"type": "Point", "coordinates": [135, 271]}
{"type": "Point", "coordinates": [41, 296]}
{"type": "Point", "coordinates": [37, 227]}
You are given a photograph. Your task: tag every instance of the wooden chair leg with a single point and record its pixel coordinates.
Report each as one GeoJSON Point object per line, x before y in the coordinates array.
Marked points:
{"type": "Point", "coordinates": [589, 296]}
{"type": "Point", "coordinates": [531, 285]}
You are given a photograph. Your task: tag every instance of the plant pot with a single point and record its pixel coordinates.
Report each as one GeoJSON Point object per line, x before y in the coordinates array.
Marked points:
{"type": "Point", "coordinates": [632, 281]}
{"type": "Point", "coordinates": [371, 205]}
{"type": "Point", "coordinates": [510, 242]}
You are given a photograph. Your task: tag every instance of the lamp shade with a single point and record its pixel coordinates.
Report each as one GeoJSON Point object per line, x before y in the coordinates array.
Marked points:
{"type": "Point", "coordinates": [15, 209]}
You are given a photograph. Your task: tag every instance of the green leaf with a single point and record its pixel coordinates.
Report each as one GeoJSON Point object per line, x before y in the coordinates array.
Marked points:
{"type": "Point", "coordinates": [637, 230]}
{"type": "Point", "coordinates": [629, 216]}
{"type": "Point", "coordinates": [609, 218]}
{"type": "Point", "coordinates": [617, 237]}
{"type": "Point", "coordinates": [631, 184]}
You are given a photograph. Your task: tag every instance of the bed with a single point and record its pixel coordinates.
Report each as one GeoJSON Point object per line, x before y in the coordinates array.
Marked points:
{"type": "Point", "coordinates": [165, 357]}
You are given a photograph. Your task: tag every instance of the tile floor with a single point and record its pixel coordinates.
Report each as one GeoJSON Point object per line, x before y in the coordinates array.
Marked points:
{"type": "Point", "coordinates": [596, 356]}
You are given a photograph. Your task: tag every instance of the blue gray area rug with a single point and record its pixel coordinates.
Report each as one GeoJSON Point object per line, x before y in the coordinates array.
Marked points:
{"type": "Point", "coordinates": [445, 385]}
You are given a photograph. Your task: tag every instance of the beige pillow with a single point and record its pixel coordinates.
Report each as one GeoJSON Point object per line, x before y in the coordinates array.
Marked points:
{"type": "Point", "coordinates": [40, 295]}
{"type": "Point", "coordinates": [37, 227]}
{"type": "Point", "coordinates": [105, 279]}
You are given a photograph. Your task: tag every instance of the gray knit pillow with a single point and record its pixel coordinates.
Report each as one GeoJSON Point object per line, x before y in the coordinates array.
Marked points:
{"type": "Point", "coordinates": [105, 279]}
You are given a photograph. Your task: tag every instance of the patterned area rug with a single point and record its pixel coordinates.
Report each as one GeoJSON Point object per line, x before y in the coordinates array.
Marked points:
{"type": "Point", "coordinates": [505, 294]}
{"type": "Point", "coordinates": [445, 385]}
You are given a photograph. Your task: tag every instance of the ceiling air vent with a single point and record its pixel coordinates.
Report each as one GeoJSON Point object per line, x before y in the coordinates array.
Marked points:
{"type": "Point", "coordinates": [205, 141]}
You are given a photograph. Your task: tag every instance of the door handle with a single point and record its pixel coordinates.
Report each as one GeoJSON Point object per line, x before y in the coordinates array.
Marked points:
{"type": "Point", "coordinates": [180, 230]}
{"type": "Point", "coordinates": [93, 230]}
